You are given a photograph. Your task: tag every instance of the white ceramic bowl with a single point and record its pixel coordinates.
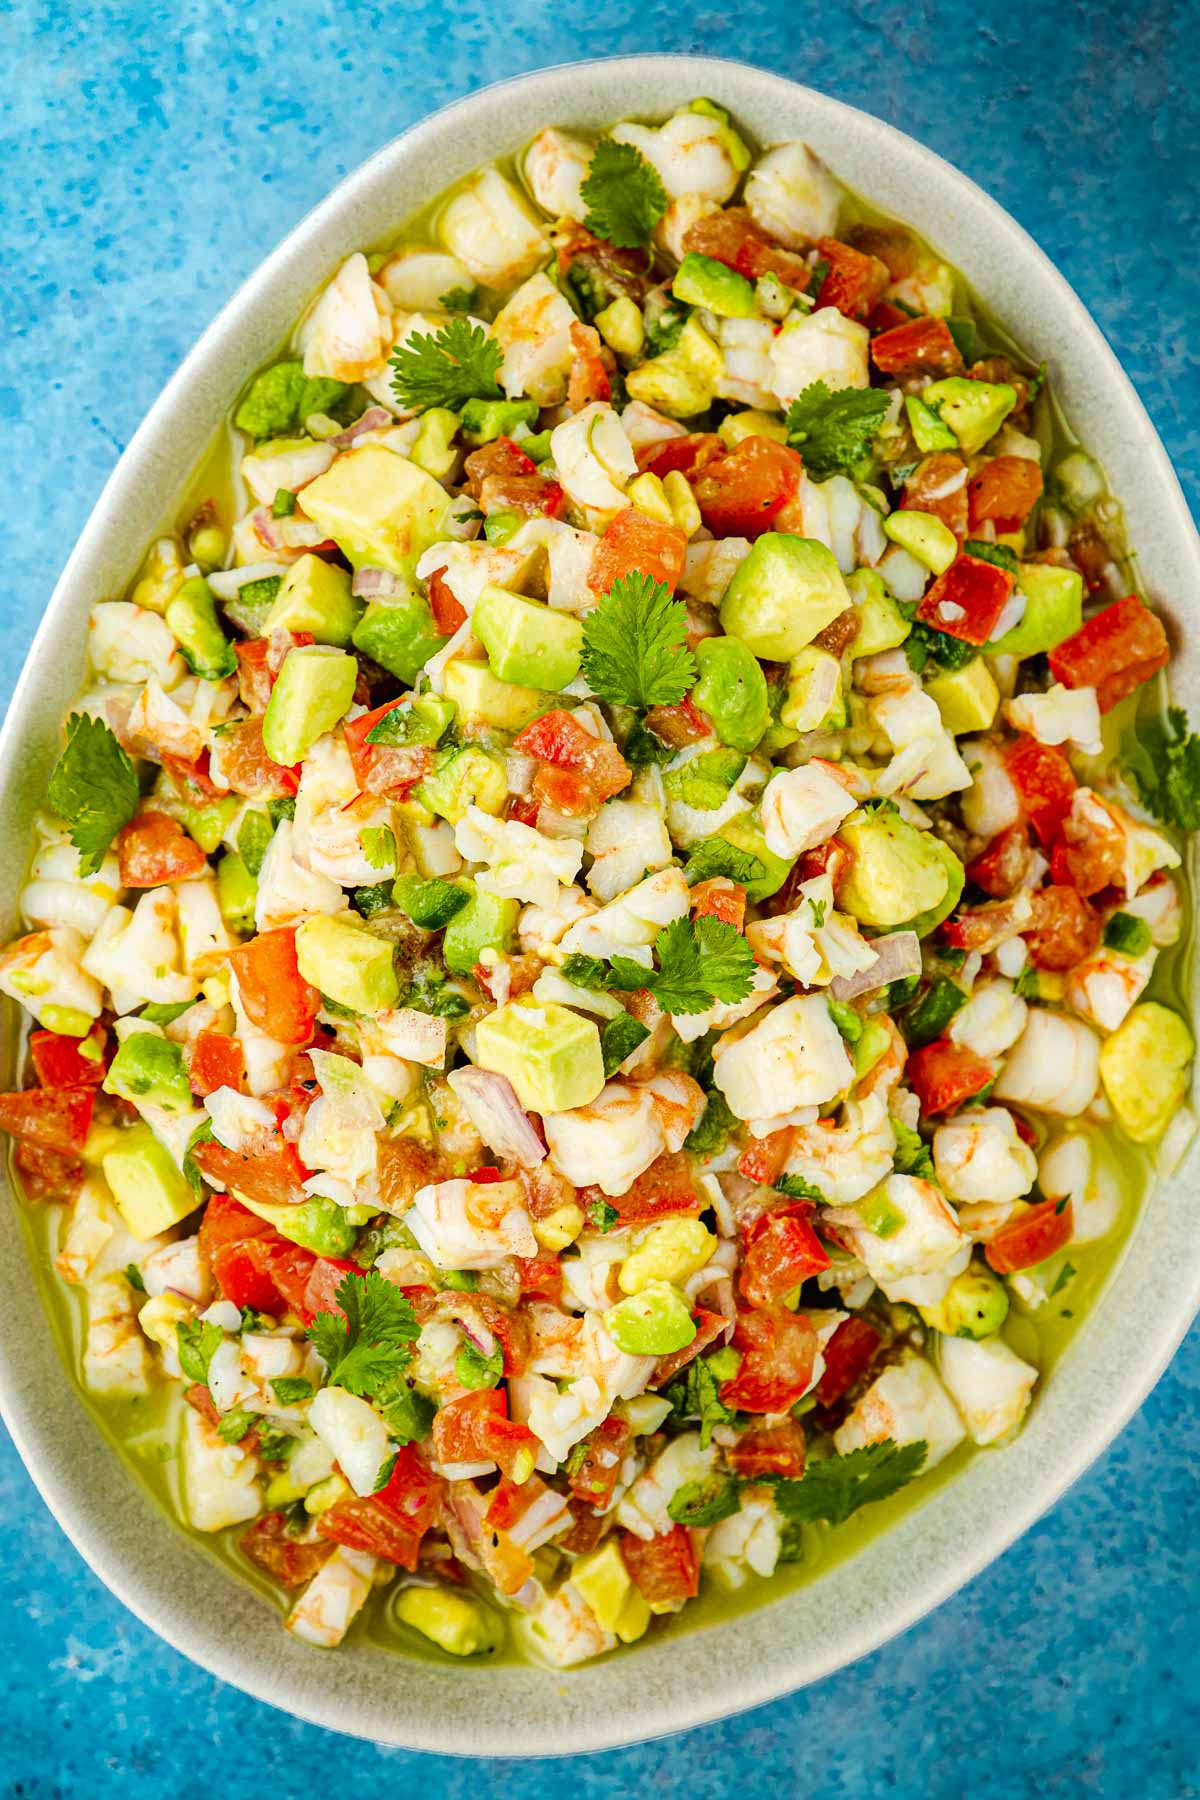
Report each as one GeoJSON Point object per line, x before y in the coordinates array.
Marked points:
{"type": "Point", "coordinates": [1123, 1345]}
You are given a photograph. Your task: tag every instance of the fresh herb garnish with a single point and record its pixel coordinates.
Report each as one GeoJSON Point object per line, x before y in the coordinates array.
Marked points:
{"type": "Point", "coordinates": [700, 961]}
{"type": "Point", "coordinates": [834, 431]}
{"type": "Point", "coordinates": [289, 1390]}
{"type": "Point", "coordinates": [711, 1131]}
{"type": "Point", "coordinates": [93, 789]}
{"type": "Point", "coordinates": [379, 846]}
{"type": "Point", "coordinates": [839, 1485]}
{"type": "Point", "coordinates": [1162, 759]}
{"type": "Point", "coordinates": [619, 1039]}
{"type": "Point", "coordinates": [1064, 1275]}
{"type": "Point", "coordinates": [133, 1276]}
{"type": "Point", "coordinates": [197, 1340]}
{"type": "Point", "coordinates": [459, 299]}
{"type": "Point", "coordinates": [715, 856]}
{"type": "Point", "coordinates": [462, 362]}
{"type": "Point", "coordinates": [796, 1188]}
{"type": "Point", "coordinates": [624, 195]}
{"type": "Point", "coordinates": [696, 1395]}
{"type": "Point", "coordinates": [373, 1343]}
{"type": "Point", "coordinates": [602, 1215]}
{"type": "Point", "coordinates": [635, 645]}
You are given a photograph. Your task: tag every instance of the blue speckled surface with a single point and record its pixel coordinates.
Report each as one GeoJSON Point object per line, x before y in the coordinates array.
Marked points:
{"type": "Point", "coordinates": [152, 153]}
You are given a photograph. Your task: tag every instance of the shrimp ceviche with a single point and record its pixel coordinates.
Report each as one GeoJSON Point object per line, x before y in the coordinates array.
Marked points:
{"type": "Point", "coordinates": [593, 940]}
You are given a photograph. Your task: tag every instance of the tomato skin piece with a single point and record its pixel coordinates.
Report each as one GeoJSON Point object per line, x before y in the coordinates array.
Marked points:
{"type": "Point", "coordinates": [476, 1428]}
{"type": "Point", "coordinates": [773, 1450]}
{"type": "Point", "coordinates": [1089, 867]}
{"type": "Point", "coordinates": [578, 771]}
{"type": "Point", "coordinates": [1045, 784]}
{"type": "Point", "coordinates": [541, 1278]}
{"type": "Point", "coordinates": [267, 1168]}
{"type": "Point", "coordinates": [154, 849]}
{"type": "Point", "coordinates": [385, 768]}
{"type": "Point", "coordinates": [944, 1074]}
{"type": "Point", "coordinates": [1000, 868]}
{"type": "Point", "coordinates": [855, 281]}
{"type": "Point", "coordinates": [848, 1355]}
{"type": "Point", "coordinates": [967, 599]}
{"type": "Point", "coordinates": [217, 1062]}
{"type": "Point", "coordinates": [1031, 1237]}
{"type": "Point", "coordinates": [589, 378]}
{"type": "Point", "coordinates": [1115, 651]}
{"type": "Point", "coordinates": [782, 1250]}
{"type": "Point", "coordinates": [938, 485]}
{"type": "Point", "coordinates": [47, 1174]}
{"type": "Point", "coordinates": [687, 455]}
{"type": "Point", "coordinates": [632, 542]}
{"type": "Point", "coordinates": [594, 1480]}
{"type": "Point", "coordinates": [764, 1159]}
{"type": "Point", "coordinates": [273, 993]}
{"type": "Point", "coordinates": [740, 493]}
{"type": "Point", "coordinates": [719, 898]}
{"type": "Point", "coordinates": [709, 1327]}
{"type": "Point", "coordinates": [779, 1349]}
{"type": "Point", "coordinates": [1005, 490]}
{"type": "Point", "coordinates": [254, 676]}
{"type": "Point", "coordinates": [448, 613]}
{"type": "Point", "coordinates": [247, 767]}
{"type": "Point", "coordinates": [1064, 928]}
{"type": "Point", "coordinates": [285, 1559]}
{"type": "Point", "coordinates": [981, 928]}
{"type": "Point", "coordinates": [52, 1118]}
{"type": "Point", "coordinates": [664, 1190]}
{"type": "Point", "coordinates": [58, 1061]}
{"type": "Point", "coordinates": [664, 1568]}
{"type": "Point", "coordinates": [391, 1523]}
{"type": "Point", "coordinates": [916, 347]}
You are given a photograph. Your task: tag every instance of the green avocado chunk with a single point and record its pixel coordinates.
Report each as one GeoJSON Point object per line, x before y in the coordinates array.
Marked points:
{"type": "Point", "coordinates": [898, 876]}
{"type": "Point", "coordinates": [785, 591]}
{"type": "Point", "coordinates": [315, 596]}
{"type": "Point", "coordinates": [1053, 610]}
{"type": "Point", "coordinates": [527, 643]}
{"type": "Point", "coordinates": [702, 281]}
{"type": "Point", "coordinates": [551, 1055]}
{"type": "Point", "coordinates": [486, 922]}
{"type": "Point", "coordinates": [732, 690]}
{"type": "Point", "coordinates": [399, 635]}
{"type": "Point", "coordinates": [348, 963]}
{"type": "Point", "coordinates": [192, 617]}
{"type": "Point", "coordinates": [380, 509]}
{"type": "Point", "coordinates": [150, 1192]}
{"type": "Point", "coordinates": [313, 691]}
{"type": "Point", "coordinates": [149, 1067]}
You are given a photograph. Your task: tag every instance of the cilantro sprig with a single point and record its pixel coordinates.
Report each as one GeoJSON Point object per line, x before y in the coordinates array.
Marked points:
{"type": "Point", "coordinates": [372, 1345]}
{"type": "Point", "coordinates": [196, 1341]}
{"type": "Point", "coordinates": [93, 789]}
{"type": "Point", "coordinates": [635, 645]}
{"type": "Point", "coordinates": [1162, 760]}
{"type": "Point", "coordinates": [700, 961]}
{"type": "Point", "coordinates": [834, 431]}
{"type": "Point", "coordinates": [460, 363]}
{"type": "Point", "coordinates": [624, 195]}
{"type": "Point", "coordinates": [838, 1486]}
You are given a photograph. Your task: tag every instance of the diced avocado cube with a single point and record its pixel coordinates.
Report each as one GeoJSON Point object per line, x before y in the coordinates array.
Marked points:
{"type": "Point", "coordinates": [207, 824]}
{"type": "Point", "coordinates": [1144, 1068]}
{"type": "Point", "coordinates": [463, 776]}
{"type": "Point", "coordinates": [527, 643]}
{"type": "Point", "coordinates": [380, 509]}
{"type": "Point", "coordinates": [313, 690]}
{"type": "Point", "coordinates": [751, 423]}
{"type": "Point", "coordinates": [682, 381]}
{"type": "Point", "coordinates": [348, 963]}
{"type": "Point", "coordinates": [745, 834]}
{"type": "Point", "coordinates": [974, 410]}
{"type": "Point", "coordinates": [150, 1067]}
{"type": "Point", "coordinates": [924, 536]}
{"type": "Point", "coordinates": [929, 432]}
{"type": "Point", "coordinates": [192, 618]}
{"type": "Point", "coordinates": [897, 874]}
{"type": "Point", "coordinates": [237, 891]}
{"type": "Point", "coordinates": [967, 698]}
{"type": "Point", "coordinates": [315, 596]}
{"type": "Point", "coordinates": [318, 1224]}
{"type": "Point", "coordinates": [486, 922]}
{"type": "Point", "coordinates": [732, 690]}
{"type": "Point", "coordinates": [604, 1581]}
{"type": "Point", "coordinates": [150, 1192]}
{"type": "Point", "coordinates": [552, 1056]}
{"type": "Point", "coordinates": [434, 449]}
{"type": "Point", "coordinates": [456, 1622]}
{"type": "Point", "coordinates": [1053, 610]}
{"type": "Point", "coordinates": [702, 281]}
{"type": "Point", "coordinates": [784, 592]}
{"type": "Point", "coordinates": [484, 700]}
{"type": "Point", "coordinates": [484, 420]}
{"type": "Point", "coordinates": [881, 624]}
{"type": "Point", "coordinates": [622, 327]}
{"type": "Point", "coordinates": [814, 699]}
{"type": "Point", "coordinates": [704, 781]}
{"type": "Point", "coordinates": [399, 635]}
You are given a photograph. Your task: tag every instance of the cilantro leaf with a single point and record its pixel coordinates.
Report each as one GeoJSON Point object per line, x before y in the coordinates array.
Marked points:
{"type": "Point", "coordinates": [289, 1389]}
{"type": "Point", "coordinates": [1064, 1275]}
{"type": "Point", "coordinates": [700, 961]}
{"type": "Point", "coordinates": [93, 788]}
{"type": "Point", "coordinates": [624, 195]}
{"type": "Point", "coordinates": [912, 1152]}
{"type": "Point", "coordinates": [839, 1485]}
{"type": "Point", "coordinates": [696, 1395]}
{"type": "Point", "coordinates": [834, 431]}
{"type": "Point", "coordinates": [619, 1039]}
{"type": "Point", "coordinates": [714, 856]}
{"type": "Point", "coordinates": [602, 1215]}
{"type": "Point", "coordinates": [379, 846]}
{"type": "Point", "coordinates": [196, 1340]}
{"type": "Point", "coordinates": [459, 299]}
{"type": "Point", "coordinates": [461, 363]}
{"type": "Point", "coordinates": [133, 1276]}
{"type": "Point", "coordinates": [635, 645]}
{"type": "Point", "coordinates": [796, 1188]}
{"type": "Point", "coordinates": [704, 1502]}
{"type": "Point", "coordinates": [373, 1344]}
{"type": "Point", "coordinates": [584, 971]}
{"type": "Point", "coordinates": [1162, 758]}
{"type": "Point", "coordinates": [711, 1131]}
{"type": "Point", "coordinates": [409, 1413]}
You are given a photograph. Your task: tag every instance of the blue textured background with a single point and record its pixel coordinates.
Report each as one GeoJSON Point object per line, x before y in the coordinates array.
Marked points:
{"type": "Point", "coordinates": [152, 153]}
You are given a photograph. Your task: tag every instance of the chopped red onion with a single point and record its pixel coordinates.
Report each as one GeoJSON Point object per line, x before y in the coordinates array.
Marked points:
{"type": "Point", "coordinates": [497, 1115]}
{"type": "Point", "coordinates": [374, 419]}
{"type": "Point", "coordinates": [897, 955]}
{"type": "Point", "coordinates": [371, 584]}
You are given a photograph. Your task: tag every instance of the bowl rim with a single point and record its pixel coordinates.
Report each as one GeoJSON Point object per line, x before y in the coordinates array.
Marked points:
{"type": "Point", "coordinates": [940, 1559]}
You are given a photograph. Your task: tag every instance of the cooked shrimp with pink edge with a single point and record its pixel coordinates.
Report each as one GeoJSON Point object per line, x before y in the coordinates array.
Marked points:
{"type": "Point", "coordinates": [601, 947]}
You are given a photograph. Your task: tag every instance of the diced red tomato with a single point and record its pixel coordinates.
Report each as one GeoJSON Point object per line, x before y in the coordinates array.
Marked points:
{"type": "Point", "coordinates": [594, 1477]}
{"type": "Point", "coordinates": [680, 724]}
{"type": "Point", "coordinates": [782, 1250]}
{"type": "Point", "coordinates": [855, 281]}
{"type": "Point", "coordinates": [916, 347]}
{"type": "Point", "coordinates": [577, 771]}
{"type": "Point", "coordinates": [589, 377]}
{"type": "Point", "coordinates": [448, 613]}
{"type": "Point", "coordinates": [476, 1428]}
{"type": "Point", "coordinates": [848, 1355]}
{"type": "Point", "coordinates": [664, 1190]}
{"type": "Point", "coordinates": [982, 928]}
{"type": "Point", "coordinates": [309, 1283]}
{"type": "Point", "coordinates": [632, 542]}
{"type": "Point", "coordinates": [247, 767]}
{"type": "Point", "coordinates": [274, 994]}
{"type": "Point", "coordinates": [500, 459]}
{"type": "Point", "coordinates": [47, 1174]}
{"type": "Point", "coordinates": [938, 485]}
{"type": "Point", "coordinates": [217, 1062]}
{"type": "Point", "coordinates": [1031, 1237]}
{"type": "Point", "coordinates": [740, 493]}
{"type": "Point", "coordinates": [1000, 869]}
{"type": "Point", "coordinates": [52, 1118]}
{"type": "Point", "coordinates": [729, 235]}
{"type": "Point", "coordinates": [1005, 490]}
{"type": "Point", "coordinates": [1089, 866]}
{"type": "Point", "coordinates": [404, 1167]}
{"type": "Point", "coordinates": [664, 1568]}
{"type": "Point", "coordinates": [772, 1450]}
{"type": "Point", "coordinates": [688, 454]}
{"type": "Point", "coordinates": [523, 808]}
{"type": "Point", "coordinates": [1045, 784]}
{"type": "Point", "coordinates": [541, 1278]}
{"type": "Point", "coordinates": [60, 1062]}
{"type": "Point", "coordinates": [709, 1327]}
{"type": "Point", "coordinates": [944, 1074]}
{"type": "Point", "coordinates": [535, 496]}
{"type": "Point", "coordinates": [238, 1247]}
{"type": "Point", "coordinates": [779, 1349]}
{"type": "Point", "coordinates": [255, 679]}
{"type": "Point", "coordinates": [967, 599]}
{"type": "Point", "coordinates": [391, 1523]}
{"type": "Point", "coordinates": [764, 1159]}
{"type": "Point", "coordinates": [885, 315]}
{"type": "Point", "coordinates": [288, 1560]}
{"type": "Point", "coordinates": [1063, 930]}
{"type": "Point", "coordinates": [719, 898]}
{"type": "Point", "coordinates": [266, 1169]}
{"type": "Point", "coordinates": [192, 779]}
{"type": "Point", "coordinates": [385, 768]}
{"type": "Point", "coordinates": [1114, 652]}
{"type": "Point", "coordinates": [154, 848]}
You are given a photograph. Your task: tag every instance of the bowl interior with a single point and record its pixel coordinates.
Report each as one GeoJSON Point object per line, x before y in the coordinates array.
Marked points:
{"type": "Point", "coordinates": [1120, 1349]}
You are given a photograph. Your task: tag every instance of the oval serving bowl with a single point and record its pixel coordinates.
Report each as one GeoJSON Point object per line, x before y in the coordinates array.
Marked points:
{"type": "Point", "coordinates": [666, 1684]}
